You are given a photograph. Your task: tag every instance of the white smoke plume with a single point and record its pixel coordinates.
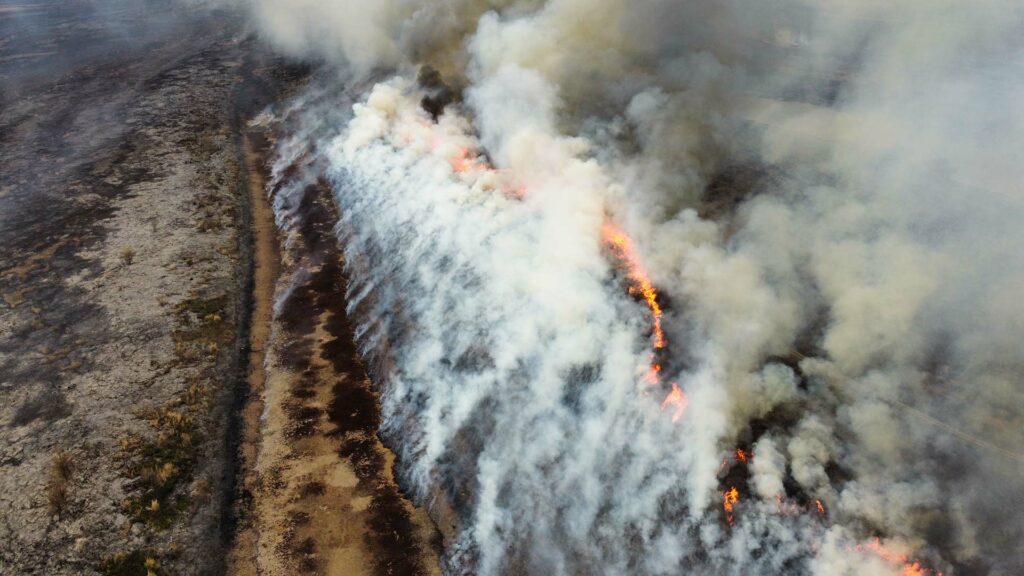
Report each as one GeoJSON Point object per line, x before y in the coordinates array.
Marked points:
{"type": "Point", "coordinates": [827, 198]}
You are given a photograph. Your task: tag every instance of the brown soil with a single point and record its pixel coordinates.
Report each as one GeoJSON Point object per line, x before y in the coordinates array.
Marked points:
{"type": "Point", "coordinates": [266, 267]}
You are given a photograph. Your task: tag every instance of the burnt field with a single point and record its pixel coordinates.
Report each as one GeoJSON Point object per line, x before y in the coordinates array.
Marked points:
{"type": "Point", "coordinates": [137, 330]}
{"type": "Point", "coordinates": [518, 287]}
{"type": "Point", "coordinates": [123, 278]}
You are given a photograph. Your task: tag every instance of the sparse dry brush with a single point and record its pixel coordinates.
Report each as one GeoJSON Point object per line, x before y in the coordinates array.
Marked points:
{"type": "Point", "coordinates": [201, 328]}
{"type": "Point", "coordinates": [128, 256]}
{"type": "Point", "coordinates": [162, 465]}
{"type": "Point", "coordinates": [59, 479]}
{"type": "Point", "coordinates": [135, 563]}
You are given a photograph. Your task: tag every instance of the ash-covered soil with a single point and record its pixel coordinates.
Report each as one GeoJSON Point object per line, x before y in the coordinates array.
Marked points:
{"type": "Point", "coordinates": [138, 343]}
{"type": "Point", "coordinates": [124, 279]}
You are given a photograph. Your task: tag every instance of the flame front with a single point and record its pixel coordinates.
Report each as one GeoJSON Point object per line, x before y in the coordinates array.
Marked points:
{"type": "Point", "coordinates": [909, 568]}
{"type": "Point", "coordinates": [677, 401]}
{"type": "Point", "coordinates": [652, 375]}
{"type": "Point", "coordinates": [476, 168]}
{"type": "Point", "coordinates": [621, 244]}
{"type": "Point", "coordinates": [729, 500]}
{"type": "Point", "coordinates": [640, 283]}
{"type": "Point", "coordinates": [461, 162]}
{"type": "Point", "coordinates": [622, 247]}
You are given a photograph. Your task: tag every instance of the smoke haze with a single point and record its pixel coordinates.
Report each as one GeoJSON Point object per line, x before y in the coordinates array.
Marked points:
{"type": "Point", "coordinates": [826, 196]}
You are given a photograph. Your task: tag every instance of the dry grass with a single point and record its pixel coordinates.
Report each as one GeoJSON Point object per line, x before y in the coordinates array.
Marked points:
{"type": "Point", "coordinates": [58, 481]}
{"type": "Point", "coordinates": [134, 563]}
{"type": "Point", "coordinates": [164, 463]}
{"type": "Point", "coordinates": [128, 256]}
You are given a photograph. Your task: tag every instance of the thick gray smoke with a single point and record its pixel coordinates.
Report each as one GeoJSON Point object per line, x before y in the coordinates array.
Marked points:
{"type": "Point", "coordinates": [827, 197]}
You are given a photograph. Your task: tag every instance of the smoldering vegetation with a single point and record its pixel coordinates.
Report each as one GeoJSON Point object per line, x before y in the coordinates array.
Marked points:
{"type": "Point", "coordinates": [826, 198]}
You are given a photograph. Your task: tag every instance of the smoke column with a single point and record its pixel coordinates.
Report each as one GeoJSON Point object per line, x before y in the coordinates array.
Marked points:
{"type": "Point", "coordinates": [711, 287]}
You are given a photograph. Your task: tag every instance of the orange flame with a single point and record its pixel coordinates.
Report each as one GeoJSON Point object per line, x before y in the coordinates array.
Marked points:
{"type": "Point", "coordinates": [651, 377]}
{"type": "Point", "coordinates": [461, 162]}
{"type": "Point", "coordinates": [883, 552]}
{"type": "Point", "coordinates": [739, 455]}
{"type": "Point", "coordinates": [820, 507]}
{"type": "Point", "coordinates": [621, 244]}
{"type": "Point", "coordinates": [730, 498]}
{"type": "Point", "coordinates": [677, 400]}
{"type": "Point", "coordinates": [914, 569]}
{"type": "Point", "coordinates": [909, 568]}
